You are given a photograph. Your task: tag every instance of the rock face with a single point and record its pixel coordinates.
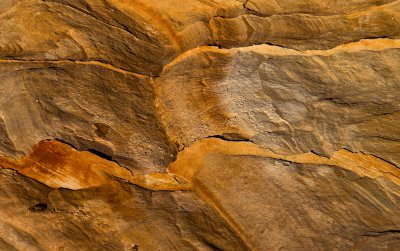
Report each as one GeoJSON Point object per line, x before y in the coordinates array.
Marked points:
{"type": "Point", "coordinates": [113, 217]}
{"type": "Point", "coordinates": [315, 28]}
{"type": "Point", "coordinates": [48, 100]}
{"type": "Point", "coordinates": [199, 125]}
{"type": "Point", "coordinates": [285, 100]}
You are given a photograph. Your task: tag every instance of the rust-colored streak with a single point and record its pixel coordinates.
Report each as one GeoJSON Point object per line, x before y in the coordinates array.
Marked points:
{"type": "Point", "coordinates": [59, 165]}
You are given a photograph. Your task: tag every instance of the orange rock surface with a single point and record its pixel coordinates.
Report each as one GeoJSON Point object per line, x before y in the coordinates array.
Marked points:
{"type": "Point", "coordinates": [60, 166]}
{"type": "Point", "coordinates": [199, 125]}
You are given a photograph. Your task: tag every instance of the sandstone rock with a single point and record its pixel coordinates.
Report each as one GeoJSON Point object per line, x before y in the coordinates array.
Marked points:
{"type": "Point", "coordinates": [89, 105]}
{"type": "Point", "coordinates": [278, 120]}
{"type": "Point", "coordinates": [296, 202]}
{"type": "Point", "coordinates": [98, 42]}
{"type": "Point", "coordinates": [280, 205]}
{"type": "Point", "coordinates": [116, 216]}
{"type": "Point", "coordinates": [288, 101]}
{"type": "Point", "coordinates": [303, 31]}
{"type": "Point", "coordinates": [140, 36]}
{"type": "Point", "coordinates": [314, 7]}
{"type": "Point", "coordinates": [191, 159]}
{"type": "Point", "coordinates": [58, 165]}
{"type": "Point", "coordinates": [42, 30]}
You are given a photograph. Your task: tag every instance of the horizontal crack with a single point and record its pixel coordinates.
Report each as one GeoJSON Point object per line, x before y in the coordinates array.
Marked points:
{"type": "Point", "coordinates": [230, 137]}
{"type": "Point", "coordinates": [380, 233]}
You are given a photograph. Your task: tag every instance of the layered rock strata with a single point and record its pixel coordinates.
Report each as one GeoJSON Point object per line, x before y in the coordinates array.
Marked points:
{"type": "Point", "coordinates": [199, 125]}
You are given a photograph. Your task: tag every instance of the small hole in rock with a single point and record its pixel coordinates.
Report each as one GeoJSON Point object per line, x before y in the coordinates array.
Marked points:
{"type": "Point", "coordinates": [135, 248]}
{"type": "Point", "coordinates": [40, 207]}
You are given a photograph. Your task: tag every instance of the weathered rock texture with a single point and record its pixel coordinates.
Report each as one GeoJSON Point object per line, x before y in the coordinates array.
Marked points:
{"type": "Point", "coordinates": [199, 125]}
{"type": "Point", "coordinates": [285, 100]}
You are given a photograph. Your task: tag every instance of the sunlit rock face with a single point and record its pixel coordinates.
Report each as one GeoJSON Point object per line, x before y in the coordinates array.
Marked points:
{"type": "Point", "coordinates": [199, 125]}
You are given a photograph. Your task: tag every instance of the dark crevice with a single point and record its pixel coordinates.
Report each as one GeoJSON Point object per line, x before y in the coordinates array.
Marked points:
{"type": "Point", "coordinates": [384, 160]}
{"type": "Point", "coordinates": [321, 154]}
{"type": "Point", "coordinates": [40, 207]}
{"type": "Point", "coordinates": [234, 137]}
{"type": "Point", "coordinates": [387, 138]}
{"type": "Point", "coordinates": [245, 5]}
{"type": "Point", "coordinates": [215, 45]}
{"type": "Point", "coordinates": [377, 37]}
{"type": "Point", "coordinates": [260, 43]}
{"type": "Point", "coordinates": [380, 233]}
{"type": "Point", "coordinates": [93, 151]}
{"type": "Point", "coordinates": [101, 154]}
{"type": "Point", "coordinates": [229, 137]}
{"type": "Point", "coordinates": [65, 142]}
{"type": "Point", "coordinates": [371, 154]}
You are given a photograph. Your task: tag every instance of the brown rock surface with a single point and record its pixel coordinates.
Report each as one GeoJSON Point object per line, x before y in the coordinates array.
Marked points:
{"type": "Point", "coordinates": [90, 105]}
{"type": "Point", "coordinates": [116, 216]}
{"type": "Point", "coordinates": [349, 201]}
{"type": "Point", "coordinates": [305, 31]}
{"type": "Point", "coordinates": [288, 101]}
{"type": "Point", "coordinates": [199, 125]}
{"type": "Point", "coordinates": [315, 7]}
{"type": "Point", "coordinates": [60, 166]}
{"type": "Point", "coordinates": [275, 204]}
